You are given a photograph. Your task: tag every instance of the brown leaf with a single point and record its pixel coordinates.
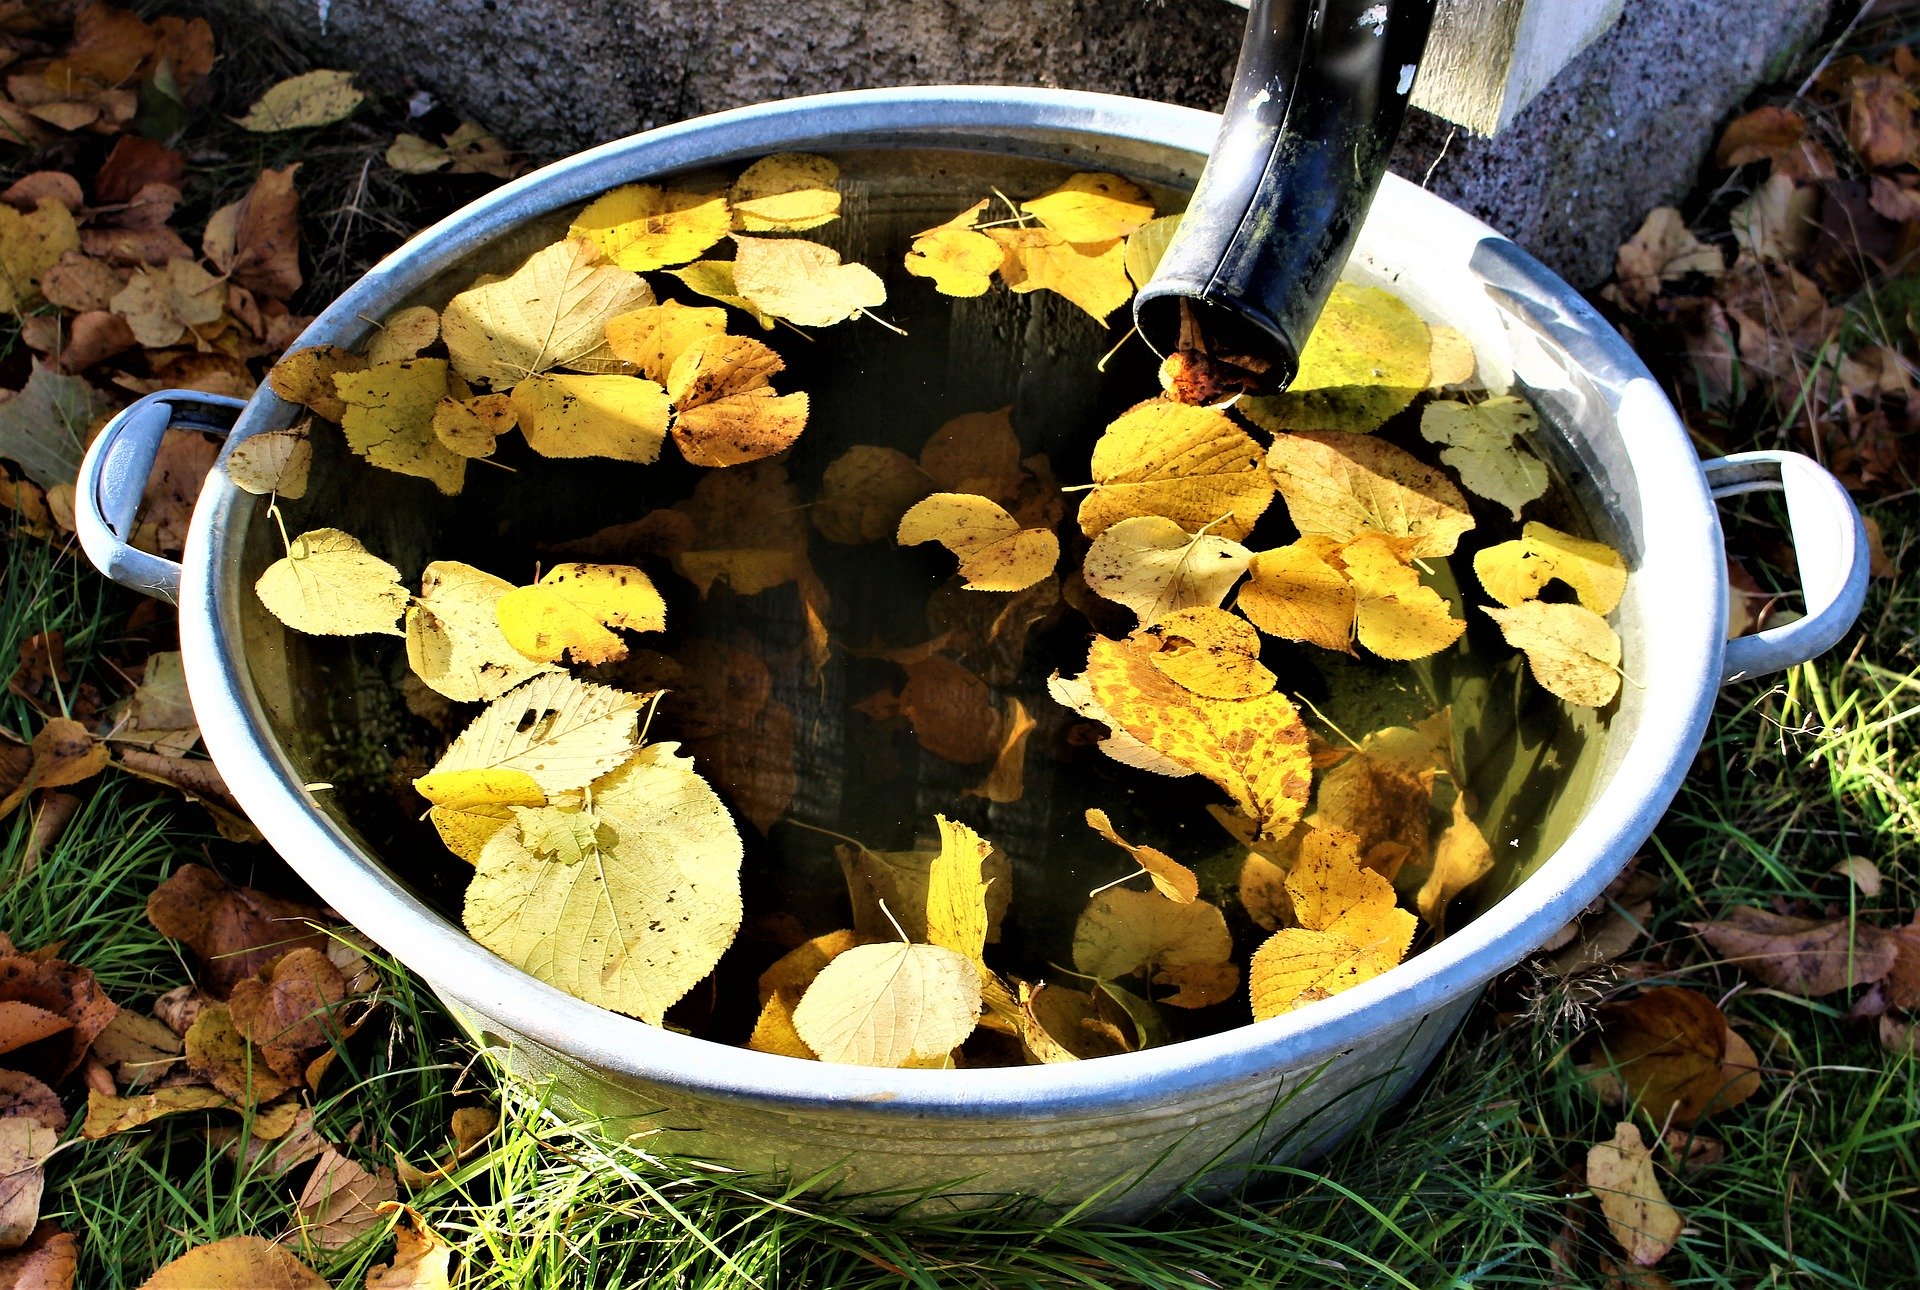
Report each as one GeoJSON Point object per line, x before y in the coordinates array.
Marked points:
{"type": "Point", "coordinates": [140, 1049]}
{"type": "Point", "coordinates": [1674, 1056]}
{"type": "Point", "coordinates": [752, 765]}
{"type": "Point", "coordinates": [234, 931]}
{"type": "Point", "coordinates": [256, 241]}
{"type": "Point", "coordinates": [185, 458]}
{"type": "Point", "coordinates": [200, 781]}
{"type": "Point", "coordinates": [24, 1146]}
{"type": "Point", "coordinates": [421, 1260]}
{"type": "Point", "coordinates": [1880, 122]}
{"type": "Point", "coordinates": [48, 1261]}
{"type": "Point", "coordinates": [221, 1054]}
{"type": "Point", "coordinates": [289, 1007]}
{"type": "Point", "coordinates": [24, 1097]}
{"type": "Point", "coordinates": [68, 992]}
{"type": "Point", "coordinates": [63, 753]}
{"type": "Point", "coordinates": [24, 194]}
{"type": "Point", "coordinates": [134, 163]}
{"type": "Point", "coordinates": [236, 1263]}
{"type": "Point", "coordinates": [1803, 956]}
{"type": "Point", "coordinates": [951, 710]}
{"type": "Point", "coordinates": [1902, 981]}
{"type": "Point", "coordinates": [1777, 135]}
{"type": "Point", "coordinates": [342, 1200]}
{"type": "Point", "coordinates": [22, 1024]}
{"type": "Point", "coordinates": [1621, 1175]}
{"type": "Point", "coordinates": [180, 1007]}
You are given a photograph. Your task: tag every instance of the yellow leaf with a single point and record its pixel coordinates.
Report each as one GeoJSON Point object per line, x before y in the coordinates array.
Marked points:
{"type": "Point", "coordinates": [774, 1032]}
{"type": "Point", "coordinates": [959, 260]}
{"type": "Point", "coordinates": [273, 461]}
{"type": "Point", "coordinates": [653, 336]}
{"type": "Point", "coordinates": [1397, 616]}
{"type": "Point", "coordinates": [996, 554]}
{"type": "Point", "coordinates": [1366, 359]}
{"type": "Point", "coordinates": [1570, 650]}
{"type": "Point", "coordinates": [795, 970]}
{"type": "Point", "coordinates": [470, 806]}
{"type": "Point", "coordinates": [1460, 859]}
{"type": "Point", "coordinates": [1382, 792]}
{"type": "Point", "coordinates": [404, 334]}
{"type": "Point", "coordinates": [864, 492]}
{"type": "Point", "coordinates": [563, 415]}
{"type": "Point", "coordinates": [957, 891]}
{"type": "Point", "coordinates": [803, 282]}
{"type": "Point", "coordinates": [714, 280]}
{"type": "Point", "coordinates": [1122, 933]}
{"type": "Point", "coordinates": [108, 1115]}
{"type": "Point", "coordinates": [1620, 1174]}
{"type": "Point", "coordinates": [785, 193]}
{"type": "Point", "coordinates": [1211, 652]}
{"type": "Point", "coordinates": [420, 1260]}
{"type": "Point", "coordinates": [410, 154]}
{"type": "Point", "coordinates": [1342, 485]}
{"type": "Point", "coordinates": [1451, 359]}
{"type": "Point", "coordinates": [647, 909]}
{"type": "Point", "coordinates": [1350, 929]}
{"type": "Point", "coordinates": [470, 427]}
{"type": "Point", "coordinates": [1187, 464]}
{"type": "Point", "coordinates": [1151, 566]}
{"type": "Point", "coordinates": [305, 376]}
{"type": "Point", "coordinates": [1093, 275]}
{"type": "Point", "coordinates": [1481, 448]}
{"type": "Point", "coordinates": [550, 312]}
{"type": "Point", "coordinates": [329, 585]}
{"type": "Point", "coordinates": [1074, 693]}
{"type": "Point", "coordinates": [560, 732]}
{"type": "Point", "coordinates": [163, 305]}
{"type": "Point", "coordinates": [303, 102]}
{"type": "Point", "coordinates": [1092, 207]}
{"type": "Point", "coordinates": [30, 244]}
{"type": "Point", "coordinates": [1170, 878]}
{"type": "Point", "coordinates": [1514, 572]}
{"type": "Point", "coordinates": [1147, 244]}
{"type": "Point", "coordinates": [388, 419]}
{"type": "Point", "coordinates": [236, 1263]}
{"type": "Point", "coordinates": [454, 641]}
{"type": "Point", "coordinates": [1295, 592]}
{"type": "Point", "coordinates": [1255, 749]}
{"type": "Point", "coordinates": [1058, 1024]}
{"type": "Point", "coordinates": [890, 1005]}
{"type": "Point", "coordinates": [641, 227]}
{"type": "Point", "coordinates": [569, 611]}
{"type": "Point", "coordinates": [1006, 782]}
{"type": "Point", "coordinates": [1297, 966]}
{"type": "Point", "coordinates": [725, 412]}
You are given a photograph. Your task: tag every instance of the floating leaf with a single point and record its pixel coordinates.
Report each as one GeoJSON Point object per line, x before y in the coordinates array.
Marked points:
{"type": "Point", "coordinates": [1514, 572]}
{"type": "Point", "coordinates": [551, 312]}
{"type": "Point", "coordinates": [471, 427]}
{"type": "Point", "coordinates": [1074, 693]}
{"type": "Point", "coordinates": [653, 336]}
{"type": "Point", "coordinates": [1342, 485]}
{"type": "Point", "coordinates": [714, 280]}
{"type": "Point", "coordinates": [454, 641]}
{"type": "Point", "coordinates": [559, 732]}
{"type": "Point", "coordinates": [1092, 207]}
{"type": "Point", "coordinates": [959, 260]}
{"type": "Point", "coordinates": [470, 806]}
{"type": "Point", "coordinates": [1570, 650]}
{"type": "Point", "coordinates": [303, 102]}
{"type": "Point", "coordinates": [1211, 652]}
{"type": "Point", "coordinates": [957, 882]}
{"type": "Point", "coordinates": [1396, 615]}
{"type": "Point", "coordinates": [896, 1004]}
{"type": "Point", "coordinates": [996, 554]}
{"type": "Point", "coordinates": [803, 282]}
{"type": "Point", "coordinates": [1190, 465]}
{"type": "Point", "coordinates": [566, 415]}
{"type": "Point", "coordinates": [1350, 929]}
{"type": "Point", "coordinates": [1093, 275]}
{"type": "Point", "coordinates": [1146, 245]}
{"type": "Point", "coordinates": [329, 585]}
{"type": "Point", "coordinates": [642, 227]}
{"type": "Point", "coordinates": [305, 376]}
{"type": "Point", "coordinates": [1481, 448]}
{"type": "Point", "coordinates": [1297, 592]}
{"type": "Point", "coordinates": [1170, 878]}
{"type": "Point", "coordinates": [1150, 565]}
{"type": "Point", "coordinates": [403, 334]}
{"type": "Point", "coordinates": [774, 1032]}
{"type": "Point", "coordinates": [647, 909]}
{"type": "Point", "coordinates": [569, 611]}
{"type": "Point", "coordinates": [273, 461]}
{"type": "Point", "coordinates": [1366, 359]}
{"type": "Point", "coordinates": [388, 419]}
{"type": "Point", "coordinates": [725, 411]}
{"type": "Point", "coordinates": [785, 193]}
{"type": "Point", "coordinates": [1255, 749]}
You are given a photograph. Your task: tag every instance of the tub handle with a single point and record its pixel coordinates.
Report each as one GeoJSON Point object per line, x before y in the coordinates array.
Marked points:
{"type": "Point", "coordinates": [113, 479]}
{"type": "Point", "coordinates": [1829, 544]}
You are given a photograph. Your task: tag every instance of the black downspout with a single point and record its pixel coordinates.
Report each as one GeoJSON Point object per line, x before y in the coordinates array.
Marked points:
{"type": "Point", "coordinates": [1317, 100]}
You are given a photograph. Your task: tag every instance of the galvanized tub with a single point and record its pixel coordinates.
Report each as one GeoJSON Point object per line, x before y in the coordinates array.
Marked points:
{"type": "Point", "coordinates": [1128, 1130]}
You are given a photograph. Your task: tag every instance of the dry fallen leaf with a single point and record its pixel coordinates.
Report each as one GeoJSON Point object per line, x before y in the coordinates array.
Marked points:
{"type": "Point", "coordinates": [236, 1263]}
{"type": "Point", "coordinates": [342, 1200]}
{"type": "Point", "coordinates": [25, 1145]}
{"type": "Point", "coordinates": [303, 102]}
{"type": "Point", "coordinates": [1663, 250]}
{"type": "Point", "coordinates": [1189, 465]}
{"type": "Point", "coordinates": [63, 753]}
{"type": "Point", "coordinates": [642, 227]}
{"type": "Point", "coordinates": [895, 1004]}
{"type": "Point", "coordinates": [329, 585]}
{"type": "Point", "coordinates": [1673, 1057]}
{"type": "Point", "coordinates": [1570, 650]}
{"type": "Point", "coordinates": [421, 1260]}
{"type": "Point", "coordinates": [1620, 1173]}
{"type": "Point", "coordinates": [30, 245]}
{"type": "Point", "coordinates": [995, 553]}
{"type": "Point", "coordinates": [1808, 957]}
{"type": "Point", "coordinates": [255, 241]}
{"type": "Point", "coordinates": [235, 932]}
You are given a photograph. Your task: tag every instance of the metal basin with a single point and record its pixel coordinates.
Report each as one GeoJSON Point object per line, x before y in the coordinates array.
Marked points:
{"type": "Point", "coordinates": [1131, 1129]}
